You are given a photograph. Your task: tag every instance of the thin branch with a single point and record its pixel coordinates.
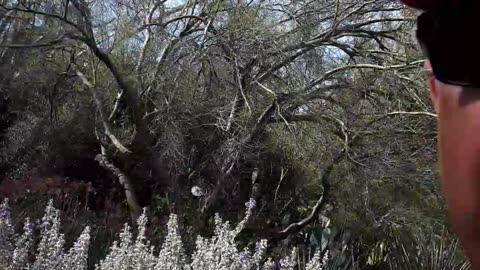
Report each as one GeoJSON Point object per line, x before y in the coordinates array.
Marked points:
{"type": "Point", "coordinates": [35, 45]}
{"type": "Point", "coordinates": [323, 93]}
{"type": "Point", "coordinates": [358, 25]}
{"type": "Point", "coordinates": [307, 118]}
{"type": "Point", "coordinates": [143, 52]}
{"type": "Point", "coordinates": [106, 125]}
{"type": "Point", "coordinates": [141, 58]}
{"type": "Point", "coordinates": [205, 32]}
{"type": "Point", "coordinates": [266, 89]}
{"type": "Point", "coordinates": [383, 116]}
{"type": "Point", "coordinates": [358, 9]}
{"type": "Point", "coordinates": [240, 80]}
{"type": "Point", "coordinates": [160, 61]}
{"type": "Point", "coordinates": [231, 116]}
{"type": "Point", "coordinates": [283, 173]}
{"type": "Point", "coordinates": [54, 16]}
{"type": "Point", "coordinates": [146, 25]}
{"type": "Point", "coordinates": [412, 113]}
{"type": "Point", "coordinates": [116, 105]}
{"type": "Point", "coordinates": [319, 205]}
{"type": "Point", "coordinates": [288, 59]}
{"type": "Point", "coordinates": [261, 121]}
{"type": "Point", "coordinates": [329, 73]}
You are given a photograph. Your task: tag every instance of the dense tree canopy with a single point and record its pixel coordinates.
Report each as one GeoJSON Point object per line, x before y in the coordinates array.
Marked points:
{"type": "Point", "coordinates": [314, 109]}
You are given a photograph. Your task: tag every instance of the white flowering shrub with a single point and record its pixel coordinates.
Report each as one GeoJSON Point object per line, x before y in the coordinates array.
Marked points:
{"type": "Point", "coordinates": [15, 249]}
{"type": "Point", "coordinates": [317, 262]}
{"type": "Point", "coordinates": [218, 252]}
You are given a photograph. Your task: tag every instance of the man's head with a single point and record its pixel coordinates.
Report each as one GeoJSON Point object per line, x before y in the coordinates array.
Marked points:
{"type": "Point", "coordinates": [445, 34]}
{"type": "Point", "coordinates": [447, 31]}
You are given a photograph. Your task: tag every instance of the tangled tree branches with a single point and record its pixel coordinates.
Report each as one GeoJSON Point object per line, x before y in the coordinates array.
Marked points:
{"type": "Point", "coordinates": [202, 93]}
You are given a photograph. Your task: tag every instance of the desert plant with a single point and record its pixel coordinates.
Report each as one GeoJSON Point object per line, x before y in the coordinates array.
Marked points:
{"type": "Point", "coordinates": [426, 252]}
{"type": "Point", "coordinates": [218, 252]}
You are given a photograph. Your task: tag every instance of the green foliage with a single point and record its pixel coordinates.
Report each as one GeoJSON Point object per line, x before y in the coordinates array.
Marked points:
{"type": "Point", "coordinates": [276, 100]}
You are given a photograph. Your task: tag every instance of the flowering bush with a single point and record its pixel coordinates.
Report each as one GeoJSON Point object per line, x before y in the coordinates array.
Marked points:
{"type": "Point", "coordinates": [218, 252]}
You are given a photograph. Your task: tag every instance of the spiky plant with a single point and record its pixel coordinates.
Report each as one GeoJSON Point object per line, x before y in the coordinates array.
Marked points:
{"type": "Point", "coordinates": [427, 253]}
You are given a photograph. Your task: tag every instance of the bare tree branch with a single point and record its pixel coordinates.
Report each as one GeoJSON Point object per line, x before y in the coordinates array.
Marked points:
{"type": "Point", "coordinates": [33, 46]}
{"type": "Point", "coordinates": [148, 24]}
{"type": "Point", "coordinates": [54, 16]}
{"type": "Point", "coordinates": [412, 113]}
{"type": "Point", "coordinates": [125, 182]}
{"type": "Point", "coordinates": [106, 125]}
{"type": "Point", "coordinates": [331, 72]}
{"type": "Point", "coordinates": [319, 205]}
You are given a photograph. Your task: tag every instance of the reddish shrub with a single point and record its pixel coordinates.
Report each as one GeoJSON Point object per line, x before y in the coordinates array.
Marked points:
{"type": "Point", "coordinates": [56, 186]}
